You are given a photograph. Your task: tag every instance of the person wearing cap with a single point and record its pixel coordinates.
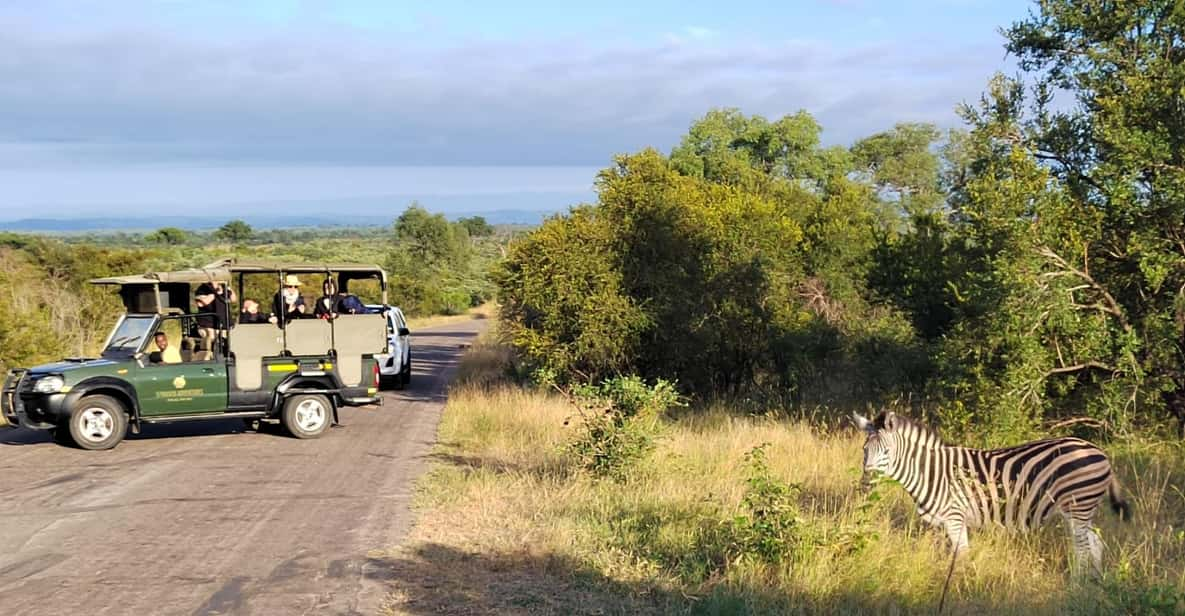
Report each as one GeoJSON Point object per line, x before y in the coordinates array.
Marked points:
{"type": "Point", "coordinates": [213, 315]}
{"type": "Point", "coordinates": [289, 303]}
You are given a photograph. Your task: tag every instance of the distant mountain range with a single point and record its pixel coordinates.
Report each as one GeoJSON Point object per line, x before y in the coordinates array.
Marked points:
{"type": "Point", "coordinates": [504, 208]}
{"type": "Point", "coordinates": [264, 221]}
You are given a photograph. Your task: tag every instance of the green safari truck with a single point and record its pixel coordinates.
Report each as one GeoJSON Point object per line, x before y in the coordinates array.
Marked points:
{"type": "Point", "coordinates": [296, 371]}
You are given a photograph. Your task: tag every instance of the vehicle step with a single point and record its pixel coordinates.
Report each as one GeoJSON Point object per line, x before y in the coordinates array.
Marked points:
{"type": "Point", "coordinates": [158, 419]}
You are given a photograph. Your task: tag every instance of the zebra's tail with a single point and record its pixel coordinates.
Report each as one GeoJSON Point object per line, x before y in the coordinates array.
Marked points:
{"type": "Point", "coordinates": [1118, 503]}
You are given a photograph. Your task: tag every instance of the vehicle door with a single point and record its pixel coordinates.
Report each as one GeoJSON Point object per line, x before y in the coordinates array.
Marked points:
{"type": "Point", "coordinates": [193, 385]}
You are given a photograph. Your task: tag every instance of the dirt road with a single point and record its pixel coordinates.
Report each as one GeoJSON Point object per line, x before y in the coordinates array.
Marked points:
{"type": "Point", "coordinates": [205, 518]}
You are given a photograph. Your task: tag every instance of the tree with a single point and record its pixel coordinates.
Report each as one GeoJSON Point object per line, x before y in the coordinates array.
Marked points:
{"type": "Point", "coordinates": [429, 240]}
{"type": "Point", "coordinates": [235, 231]}
{"type": "Point", "coordinates": [171, 236]}
{"type": "Point", "coordinates": [476, 226]}
{"type": "Point", "coordinates": [1117, 154]}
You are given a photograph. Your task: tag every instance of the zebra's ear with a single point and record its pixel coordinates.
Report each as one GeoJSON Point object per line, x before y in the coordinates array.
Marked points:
{"type": "Point", "coordinates": [863, 423]}
{"type": "Point", "coordinates": [890, 421]}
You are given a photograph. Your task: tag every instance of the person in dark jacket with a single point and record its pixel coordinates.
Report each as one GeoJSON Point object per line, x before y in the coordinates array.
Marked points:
{"type": "Point", "coordinates": [326, 307]}
{"type": "Point", "coordinates": [213, 315]}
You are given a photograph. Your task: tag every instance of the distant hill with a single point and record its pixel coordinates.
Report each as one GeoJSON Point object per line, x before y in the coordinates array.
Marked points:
{"type": "Point", "coordinates": [267, 221]}
{"type": "Point", "coordinates": [508, 208]}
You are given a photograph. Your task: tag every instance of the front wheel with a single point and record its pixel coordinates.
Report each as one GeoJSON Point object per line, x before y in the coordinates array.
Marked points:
{"type": "Point", "coordinates": [307, 415]}
{"type": "Point", "coordinates": [98, 422]}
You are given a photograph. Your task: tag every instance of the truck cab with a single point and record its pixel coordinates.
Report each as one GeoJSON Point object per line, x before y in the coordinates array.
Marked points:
{"type": "Point", "coordinates": [166, 360]}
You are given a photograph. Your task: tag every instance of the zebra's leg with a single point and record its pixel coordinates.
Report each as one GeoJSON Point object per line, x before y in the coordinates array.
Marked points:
{"type": "Point", "coordinates": [1087, 545]}
{"type": "Point", "coordinates": [956, 530]}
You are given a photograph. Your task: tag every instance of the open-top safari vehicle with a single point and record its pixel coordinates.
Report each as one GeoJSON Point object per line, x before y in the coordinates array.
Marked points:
{"type": "Point", "coordinates": [298, 372]}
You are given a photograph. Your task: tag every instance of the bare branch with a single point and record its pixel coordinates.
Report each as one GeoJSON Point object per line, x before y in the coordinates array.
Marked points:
{"type": "Point", "coordinates": [1095, 365]}
{"type": "Point", "coordinates": [1107, 304]}
{"type": "Point", "coordinates": [1089, 421]}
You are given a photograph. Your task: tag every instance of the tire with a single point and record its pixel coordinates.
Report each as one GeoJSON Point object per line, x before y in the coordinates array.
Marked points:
{"type": "Point", "coordinates": [387, 381]}
{"type": "Point", "coordinates": [405, 373]}
{"type": "Point", "coordinates": [307, 415]}
{"type": "Point", "coordinates": [98, 422]}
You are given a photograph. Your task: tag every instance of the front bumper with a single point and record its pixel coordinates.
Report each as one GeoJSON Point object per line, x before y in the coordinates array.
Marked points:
{"type": "Point", "coordinates": [23, 407]}
{"type": "Point", "coordinates": [32, 410]}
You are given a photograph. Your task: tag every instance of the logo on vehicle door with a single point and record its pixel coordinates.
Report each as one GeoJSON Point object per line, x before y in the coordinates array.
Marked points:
{"type": "Point", "coordinates": [179, 382]}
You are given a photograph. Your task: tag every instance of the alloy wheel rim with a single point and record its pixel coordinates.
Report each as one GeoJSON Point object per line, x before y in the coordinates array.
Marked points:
{"type": "Point", "coordinates": [310, 415]}
{"type": "Point", "coordinates": [96, 424]}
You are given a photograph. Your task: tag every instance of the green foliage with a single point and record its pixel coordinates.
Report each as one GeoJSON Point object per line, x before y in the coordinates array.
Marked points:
{"type": "Point", "coordinates": [616, 423]}
{"type": "Point", "coordinates": [770, 528]}
{"type": "Point", "coordinates": [736, 265]}
{"type": "Point", "coordinates": [476, 226]}
{"type": "Point", "coordinates": [171, 236]}
{"type": "Point", "coordinates": [437, 267]}
{"type": "Point", "coordinates": [235, 231]}
{"type": "Point", "coordinates": [562, 300]}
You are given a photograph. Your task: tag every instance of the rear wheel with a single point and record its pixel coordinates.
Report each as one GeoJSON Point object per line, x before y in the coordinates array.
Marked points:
{"type": "Point", "coordinates": [405, 372]}
{"type": "Point", "coordinates": [387, 381]}
{"type": "Point", "coordinates": [307, 415]}
{"type": "Point", "coordinates": [98, 422]}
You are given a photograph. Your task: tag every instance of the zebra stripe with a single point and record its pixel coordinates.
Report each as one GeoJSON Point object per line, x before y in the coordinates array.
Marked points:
{"type": "Point", "coordinates": [1019, 487]}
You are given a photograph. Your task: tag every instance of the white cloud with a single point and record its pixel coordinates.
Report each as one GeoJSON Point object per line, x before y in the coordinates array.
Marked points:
{"type": "Point", "coordinates": [150, 94]}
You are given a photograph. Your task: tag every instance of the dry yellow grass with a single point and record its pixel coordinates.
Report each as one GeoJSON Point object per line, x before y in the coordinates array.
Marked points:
{"type": "Point", "coordinates": [508, 526]}
{"type": "Point", "coordinates": [487, 310]}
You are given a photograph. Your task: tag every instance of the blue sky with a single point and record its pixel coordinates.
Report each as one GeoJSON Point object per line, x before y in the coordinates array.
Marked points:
{"type": "Point", "coordinates": [122, 105]}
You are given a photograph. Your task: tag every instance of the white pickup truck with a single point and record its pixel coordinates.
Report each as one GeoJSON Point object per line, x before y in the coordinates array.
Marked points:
{"type": "Point", "coordinates": [395, 364]}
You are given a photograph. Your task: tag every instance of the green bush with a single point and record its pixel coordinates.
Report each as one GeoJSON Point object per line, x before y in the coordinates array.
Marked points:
{"type": "Point", "coordinates": [617, 422]}
{"type": "Point", "coordinates": [771, 528]}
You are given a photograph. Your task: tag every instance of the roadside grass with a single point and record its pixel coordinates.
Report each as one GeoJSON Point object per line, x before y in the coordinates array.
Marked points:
{"type": "Point", "coordinates": [507, 525]}
{"type": "Point", "coordinates": [487, 310]}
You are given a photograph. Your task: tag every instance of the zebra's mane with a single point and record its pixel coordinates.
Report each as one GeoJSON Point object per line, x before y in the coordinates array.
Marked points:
{"type": "Point", "coordinates": [901, 421]}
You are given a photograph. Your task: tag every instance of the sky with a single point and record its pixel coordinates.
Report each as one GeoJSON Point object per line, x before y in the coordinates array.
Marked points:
{"type": "Point", "coordinates": [117, 106]}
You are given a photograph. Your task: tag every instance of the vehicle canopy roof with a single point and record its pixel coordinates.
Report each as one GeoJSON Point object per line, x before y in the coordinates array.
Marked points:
{"type": "Point", "coordinates": [224, 270]}
{"type": "Point", "coordinates": [162, 291]}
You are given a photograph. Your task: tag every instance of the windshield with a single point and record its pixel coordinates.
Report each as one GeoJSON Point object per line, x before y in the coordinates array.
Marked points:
{"type": "Point", "coordinates": [129, 334]}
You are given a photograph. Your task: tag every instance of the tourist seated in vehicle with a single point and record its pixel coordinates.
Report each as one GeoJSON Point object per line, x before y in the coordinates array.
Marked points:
{"type": "Point", "coordinates": [347, 303]}
{"type": "Point", "coordinates": [324, 308]}
{"type": "Point", "coordinates": [165, 353]}
{"type": "Point", "coordinates": [251, 314]}
{"type": "Point", "coordinates": [213, 307]}
{"type": "Point", "coordinates": [289, 303]}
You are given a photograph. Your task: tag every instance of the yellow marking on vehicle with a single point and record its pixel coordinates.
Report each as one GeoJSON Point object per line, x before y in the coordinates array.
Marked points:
{"type": "Point", "coordinates": [65, 389]}
{"type": "Point", "coordinates": [327, 366]}
{"type": "Point", "coordinates": [371, 391]}
{"type": "Point", "coordinates": [282, 368]}
{"type": "Point", "coordinates": [122, 371]}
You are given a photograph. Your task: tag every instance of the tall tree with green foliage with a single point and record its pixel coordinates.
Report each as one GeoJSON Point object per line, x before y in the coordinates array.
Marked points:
{"type": "Point", "coordinates": [1119, 152]}
{"type": "Point", "coordinates": [476, 226]}
{"type": "Point", "coordinates": [171, 236]}
{"type": "Point", "coordinates": [235, 231]}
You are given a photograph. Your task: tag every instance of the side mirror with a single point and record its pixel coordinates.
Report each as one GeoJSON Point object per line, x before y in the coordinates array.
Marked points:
{"type": "Point", "coordinates": [403, 331]}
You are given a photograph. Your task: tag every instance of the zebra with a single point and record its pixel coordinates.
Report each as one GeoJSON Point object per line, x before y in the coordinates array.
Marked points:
{"type": "Point", "coordinates": [1019, 487]}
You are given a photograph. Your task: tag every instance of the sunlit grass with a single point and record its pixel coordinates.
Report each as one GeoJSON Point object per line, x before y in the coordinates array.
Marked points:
{"type": "Point", "coordinates": [485, 311]}
{"type": "Point", "coordinates": [503, 492]}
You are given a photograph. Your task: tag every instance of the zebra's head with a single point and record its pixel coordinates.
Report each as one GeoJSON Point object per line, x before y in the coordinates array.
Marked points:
{"type": "Point", "coordinates": [880, 448]}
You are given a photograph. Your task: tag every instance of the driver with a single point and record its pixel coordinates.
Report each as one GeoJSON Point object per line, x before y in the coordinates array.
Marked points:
{"type": "Point", "coordinates": [167, 354]}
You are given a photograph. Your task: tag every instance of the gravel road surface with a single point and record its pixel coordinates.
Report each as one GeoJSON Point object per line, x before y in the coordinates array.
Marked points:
{"type": "Point", "coordinates": [206, 518]}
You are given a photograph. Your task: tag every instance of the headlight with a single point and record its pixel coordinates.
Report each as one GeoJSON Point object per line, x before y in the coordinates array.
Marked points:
{"type": "Point", "coordinates": [48, 385]}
